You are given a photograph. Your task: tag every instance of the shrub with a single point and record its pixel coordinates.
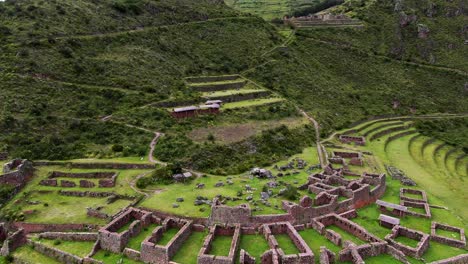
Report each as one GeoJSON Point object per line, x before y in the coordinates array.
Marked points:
{"type": "Point", "coordinates": [291, 193]}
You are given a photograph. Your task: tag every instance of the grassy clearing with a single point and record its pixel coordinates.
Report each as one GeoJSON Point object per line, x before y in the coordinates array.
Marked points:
{"type": "Point", "coordinates": [231, 133]}
{"type": "Point", "coordinates": [286, 244]}
{"type": "Point", "coordinates": [135, 242]}
{"type": "Point", "coordinates": [449, 234]}
{"type": "Point", "coordinates": [255, 245]}
{"type": "Point", "coordinates": [406, 241]}
{"type": "Point", "coordinates": [189, 192]}
{"type": "Point", "coordinates": [49, 207]}
{"type": "Point", "coordinates": [250, 103]}
{"type": "Point", "coordinates": [78, 248]}
{"type": "Point", "coordinates": [221, 246]}
{"type": "Point", "coordinates": [315, 241]}
{"type": "Point", "coordinates": [29, 255]}
{"type": "Point", "coordinates": [112, 258]}
{"type": "Point", "coordinates": [167, 236]}
{"type": "Point", "coordinates": [188, 253]}
{"type": "Point", "coordinates": [385, 258]}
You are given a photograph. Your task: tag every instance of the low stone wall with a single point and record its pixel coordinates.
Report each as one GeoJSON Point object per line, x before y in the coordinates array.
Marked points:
{"type": "Point", "coordinates": [388, 131]}
{"type": "Point", "coordinates": [241, 97]}
{"type": "Point", "coordinates": [96, 213]}
{"type": "Point", "coordinates": [83, 175]}
{"type": "Point", "coordinates": [97, 165]}
{"type": "Point", "coordinates": [40, 228]}
{"type": "Point", "coordinates": [461, 259]}
{"type": "Point", "coordinates": [68, 236]}
{"type": "Point", "coordinates": [204, 79]}
{"type": "Point", "coordinates": [54, 253]}
{"type": "Point", "coordinates": [218, 87]}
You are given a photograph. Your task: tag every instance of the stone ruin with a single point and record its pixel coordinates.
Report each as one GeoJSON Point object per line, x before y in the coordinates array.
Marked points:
{"type": "Point", "coordinates": [355, 158]}
{"type": "Point", "coordinates": [114, 241]}
{"type": "Point", "coordinates": [105, 179]}
{"type": "Point", "coordinates": [361, 141]}
{"type": "Point", "coordinates": [416, 252]}
{"type": "Point", "coordinates": [10, 238]}
{"type": "Point", "coordinates": [162, 254]}
{"type": "Point", "coordinates": [453, 242]}
{"type": "Point", "coordinates": [415, 203]}
{"type": "Point", "coordinates": [270, 230]}
{"type": "Point", "coordinates": [321, 20]}
{"type": "Point", "coordinates": [204, 257]}
{"type": "Point", "coordinates": [17, 172]}
{"type": "Point", "coordinates": [397, 174]}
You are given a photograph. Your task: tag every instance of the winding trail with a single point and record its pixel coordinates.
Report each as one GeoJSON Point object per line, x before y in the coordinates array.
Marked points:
{"type": "Point", "coordinates": [320, 148]}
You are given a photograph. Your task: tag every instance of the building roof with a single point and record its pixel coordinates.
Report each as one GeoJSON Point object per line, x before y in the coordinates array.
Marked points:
{"type": "Point", "coordinates": [392, 205]}
{"type": "Point", "coordinates": [213, 106]}
{"type": "Point", "coordinates": [389, 219]}
{"type": "Point", "coordinates": [185, 109]}
{"type": "Point", "coordinates": [213, 102]}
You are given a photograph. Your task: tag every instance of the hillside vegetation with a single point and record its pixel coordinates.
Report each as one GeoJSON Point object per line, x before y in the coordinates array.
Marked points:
{"type": "Point", "coordinates": [66, 65]}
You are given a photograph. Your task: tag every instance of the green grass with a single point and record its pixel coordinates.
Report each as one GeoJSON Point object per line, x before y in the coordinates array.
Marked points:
{"type": "Point", "coordinates": [286, 244]}
{"type": "Point", "coordinates": [250, 103]}
{"type": "Point", "coordinates": [126, 226]}
{"type": "Point", "coordinates": [314, 240]}
{"type": "Point", "coordinates": [189, 192]}
{"type": "Point", "coordinates": [346, 236]}
{"type": "Point", "coordinates": [78, 248]}
{"type": "Point", "coordinates": [188, 253]}
{"type": "Point", "coordinates": [231, 92]}
{"type": "Point", "coordinates": [135, 242]}
{"type": "Point", "coordinates": [112, 258]}
{"type": "Point", "coordinates": [384, 258]}
{"type": "Point", "coordinates": [68, 209]}
{"type": "Point", "coordinates": [221, 246]}
{"type": "Point", "coordinates": [255, 245]}
{"type": "Point", "coordinates": [28, 254]}
{"type": "Point", "coordinates": [168, 235]}
{"type": "Point", "coordinates": [449, 234]}
{"type": "Point", "coordinates": [407, 241]}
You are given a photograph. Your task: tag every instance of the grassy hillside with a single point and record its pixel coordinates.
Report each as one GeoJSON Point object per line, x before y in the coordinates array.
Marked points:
{"type": "Point", "coordinates": [339, 85]}
{"type": "Point", "coordinates": [272, 9]}
{"type": "Point", "coordinates": [452, 132]}
{"type": "Point", "coordinates": [78, 61]}
{"type": "Point", "coordinates": [395, 29]}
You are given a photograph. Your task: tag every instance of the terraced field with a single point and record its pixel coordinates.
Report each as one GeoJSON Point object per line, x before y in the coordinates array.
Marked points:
{"type": "Point", "coordinates": [269, 9]}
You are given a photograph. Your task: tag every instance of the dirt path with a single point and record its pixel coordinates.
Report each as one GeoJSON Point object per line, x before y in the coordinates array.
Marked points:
{"type": "Point", "coordinates": [133, 183]}
{"type": "Point", "coordinates": [320, 148]}
{"type": "Point", "coordinates": [153, 143]}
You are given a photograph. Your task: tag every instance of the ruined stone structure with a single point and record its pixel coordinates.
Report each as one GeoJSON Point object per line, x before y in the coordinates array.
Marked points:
{"type": "Point", "coordinates": [270, 230]}
{"type": "Point", "coordinates": [352, 139]}
{"type": "Point", "coordinates": [16, 172]}
{"type": "Point", "coordinates": [10, 239]}
{"type": "Point", "coordinates": [105, 179]}
{"type": "Point", "coordinates": [418, 251]}
{"type": "Point", "coordinates": [453, 242]}
{"type": "Point", "coordinates": [204, 256]}
{"type": "Point", "coordinates": [313, 20]}
{"type": "Point", "coordinates": [162, 254]}
{"type": "Point", "coordinates": [114, 241]}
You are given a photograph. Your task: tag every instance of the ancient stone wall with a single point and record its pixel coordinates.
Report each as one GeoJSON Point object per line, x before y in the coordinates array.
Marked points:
{"type": "Point", "coordinates": [418, 251]}
{"type": "Point", "coordinates": [98, 165]}
{"type": "Point", "coordinates": [70, 236]}
{"type": "Point", "coordinates": [218, 87]}
{"type": "Point", "coordinates": [461, 259]}
{"type": "Point", "coordinates": [204, 256]}
{"type": "Point", "coordinates": [11, 240]}
{"type": "Point", "coordinates": [162, 254]}
{"type": "Point", "coordinates": [242, 96]}
{"type": "Point", "coordinates": [205, 79]}
{"type": "Point", "coordinates": [61, 256]}
{"type": "Point", "coordinates": [39, 228]}
{"type": "Point", "coordinates": [459, 243]}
